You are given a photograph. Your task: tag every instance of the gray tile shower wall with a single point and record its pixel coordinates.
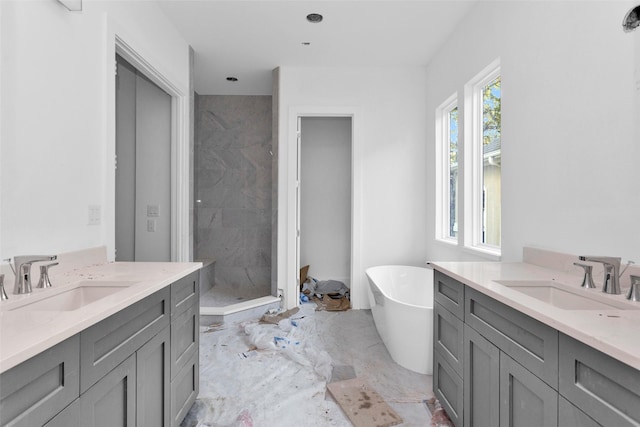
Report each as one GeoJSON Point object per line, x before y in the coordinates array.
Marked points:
{"type": "Point", "coordinates": [233, 183]}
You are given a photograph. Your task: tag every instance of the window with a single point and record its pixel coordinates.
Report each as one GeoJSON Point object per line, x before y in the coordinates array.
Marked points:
{"type": "Point", "coordinates": [483, 102]}
{"type": "Point", "coordinates": [447, 119]}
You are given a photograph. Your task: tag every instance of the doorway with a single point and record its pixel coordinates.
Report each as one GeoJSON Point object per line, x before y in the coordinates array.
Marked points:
{"type": "Point", "coordinates": [325, 197]}
{"type": "Point", "coordinates": [143, 167]}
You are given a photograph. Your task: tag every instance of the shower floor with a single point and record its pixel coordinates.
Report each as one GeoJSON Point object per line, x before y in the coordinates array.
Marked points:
{"type": "Point", "coordinates": [224, 295]}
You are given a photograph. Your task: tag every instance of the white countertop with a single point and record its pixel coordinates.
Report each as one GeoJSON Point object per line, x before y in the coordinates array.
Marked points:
{"type": "Point", "coordinates": [25, 333]}
{"type": "Point", "coordinates": [614, 332]}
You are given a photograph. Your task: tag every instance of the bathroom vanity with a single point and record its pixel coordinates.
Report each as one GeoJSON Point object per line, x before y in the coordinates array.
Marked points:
{"type": "Point", "coordinates": [520, 344]}
{"type": "Point", "coordinates": [123, 351]}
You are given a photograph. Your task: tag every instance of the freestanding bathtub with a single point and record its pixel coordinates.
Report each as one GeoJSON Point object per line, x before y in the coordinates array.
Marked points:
{"type": "Point", "coordinates": [401, 299]}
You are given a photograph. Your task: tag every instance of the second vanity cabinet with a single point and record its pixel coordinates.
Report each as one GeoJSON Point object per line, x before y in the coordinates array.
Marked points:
{"type": "Point", "coordinates": [495, 366]}
{"type": "Point", "coordinates": [138, 367]}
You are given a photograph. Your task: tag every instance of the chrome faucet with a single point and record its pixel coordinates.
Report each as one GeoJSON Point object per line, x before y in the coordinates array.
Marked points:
{"type": "Point", "coordinates": [23, 271]}
{"type": "Point", "coordinates": [611, 284]}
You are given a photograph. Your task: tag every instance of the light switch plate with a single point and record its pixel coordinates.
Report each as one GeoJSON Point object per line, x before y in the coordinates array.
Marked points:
{"type": "Point", "coordinates": [153, 211]}
{"type": "Point", "coordinates": [94, 215]}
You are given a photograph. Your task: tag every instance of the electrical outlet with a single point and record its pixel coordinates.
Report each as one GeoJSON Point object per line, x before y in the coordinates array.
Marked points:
{"type": "Point", "coordinates": [94, 215]}
{"type": "Point", "coordinates": [151, 225]}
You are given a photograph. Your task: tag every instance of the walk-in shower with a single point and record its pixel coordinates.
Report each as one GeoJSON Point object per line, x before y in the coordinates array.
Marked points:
{"type": "Point", "coordinates": [233, 162]}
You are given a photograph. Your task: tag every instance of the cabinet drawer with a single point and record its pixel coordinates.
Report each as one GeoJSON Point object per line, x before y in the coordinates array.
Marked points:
{"type": "Point", "coordinates": [448, 337]}
{"type": "Point", "coordinates": [449, 293]}
{"type": "Point", "coordinates": [184, 390]}
{"type": "Point", "coordinates": [448, 388]}
{"type": "Point", "coordinates": [33, 392]}
{"type": "Point", "coordinates": [106, 344]}
{"type": "Point", "coordinates": [185, 338]}
{"type": "Point", "coordinates": [185, 293]}
{"type": "Point", "coordinates": [530, 342]}
{"type": "Point", "coordinates": [605, 389]}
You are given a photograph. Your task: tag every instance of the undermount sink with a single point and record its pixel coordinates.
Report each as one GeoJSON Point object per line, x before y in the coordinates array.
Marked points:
{"type": "Point", "coordinates": [567, 298]}
{"type": "Point", "coordinates": [78, 297]}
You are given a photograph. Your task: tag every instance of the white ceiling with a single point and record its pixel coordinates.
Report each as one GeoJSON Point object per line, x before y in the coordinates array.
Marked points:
{"type": "Point", "coordinates": [248, 39]}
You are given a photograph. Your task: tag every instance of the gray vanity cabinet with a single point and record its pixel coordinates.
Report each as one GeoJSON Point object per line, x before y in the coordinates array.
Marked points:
{"type": "Point", "coordinates": [518, 371]}
{"type": "Point", "coordinates": [138, 367]}
{"type": "Point", "coordinates": [490, 361]}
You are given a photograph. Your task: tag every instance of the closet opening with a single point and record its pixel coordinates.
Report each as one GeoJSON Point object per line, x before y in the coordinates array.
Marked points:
{"type": "Point", "coordinates": [324, 197]}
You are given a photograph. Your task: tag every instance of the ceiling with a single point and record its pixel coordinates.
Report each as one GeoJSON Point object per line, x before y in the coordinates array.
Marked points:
{"type": "Point", "coordinates": [248, 39]}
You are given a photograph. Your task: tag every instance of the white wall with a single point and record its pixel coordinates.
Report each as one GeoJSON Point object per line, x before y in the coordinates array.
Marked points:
{"type": "Point", "coordinates": [325, 199]}
{"type": "Point", "coordinates": [390, 152]}
{"type": "Point", "coordinates": [570, 170]}
{"type": "Point", "coordinates": [58, 115]}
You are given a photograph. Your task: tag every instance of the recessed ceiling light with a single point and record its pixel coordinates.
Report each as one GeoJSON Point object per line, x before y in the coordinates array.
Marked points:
{"type": "Point", "coordinates": [631, 19]}
{"type": "Point", "coordinates": [314, 18]}
{"type": "Point", "coordinates": [232, 79]}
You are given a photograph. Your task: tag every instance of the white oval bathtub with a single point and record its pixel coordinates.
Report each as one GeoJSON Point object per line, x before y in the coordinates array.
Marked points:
{"type": "Point", "coordinates": [401, 299]}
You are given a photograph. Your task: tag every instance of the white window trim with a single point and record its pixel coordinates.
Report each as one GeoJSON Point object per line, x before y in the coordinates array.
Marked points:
{"type": "Point", "coordinates": [442, 170]}
{"type": "Point", "coordinates": [473, 157]}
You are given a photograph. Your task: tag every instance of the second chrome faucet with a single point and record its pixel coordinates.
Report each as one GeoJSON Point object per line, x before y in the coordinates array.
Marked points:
{"type": "Point", "coordinates": [611, 284]}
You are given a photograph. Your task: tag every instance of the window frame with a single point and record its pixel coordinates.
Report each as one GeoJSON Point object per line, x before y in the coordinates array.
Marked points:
{"type": "Point", "coordinates": [443, 170]}
{"type": "Point", "coordinates": [474, 161]}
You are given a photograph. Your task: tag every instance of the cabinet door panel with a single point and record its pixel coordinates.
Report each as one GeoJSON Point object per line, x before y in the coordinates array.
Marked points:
{"type": "Point", "coordinates": [605, 389]}
{"type": "Point", "coordinates": [36, 390]}
{"type": "Point", "coordinates": [111, 402]}
{"type": "Point", "coordinates": [525, 400]}
{"type": "Point", "coordinates": [448, 337]}
{"type": "Point", "coordinates": [448, 388]}
{"type": "Point", "coordinates": [153, 388]}
{"type": "Point", "coordinates": [481, 381]}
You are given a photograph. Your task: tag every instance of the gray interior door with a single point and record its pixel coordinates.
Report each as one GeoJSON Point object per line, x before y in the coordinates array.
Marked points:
{"type": "Point", "coordinates": [143, 171]}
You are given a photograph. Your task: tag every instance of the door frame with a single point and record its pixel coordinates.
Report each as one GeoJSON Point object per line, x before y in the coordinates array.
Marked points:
{"type": "Point", "coordinates": [180, 142]}
{"type": "Point", "coordinates": [288, 268]}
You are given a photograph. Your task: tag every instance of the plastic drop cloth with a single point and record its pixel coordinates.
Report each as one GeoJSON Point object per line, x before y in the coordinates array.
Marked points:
{"type": "Point", "coordinates": [243, 387]}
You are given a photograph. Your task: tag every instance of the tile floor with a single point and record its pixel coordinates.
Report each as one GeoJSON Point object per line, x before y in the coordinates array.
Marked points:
{"type": "Point", "coordinates": [286, 386]}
